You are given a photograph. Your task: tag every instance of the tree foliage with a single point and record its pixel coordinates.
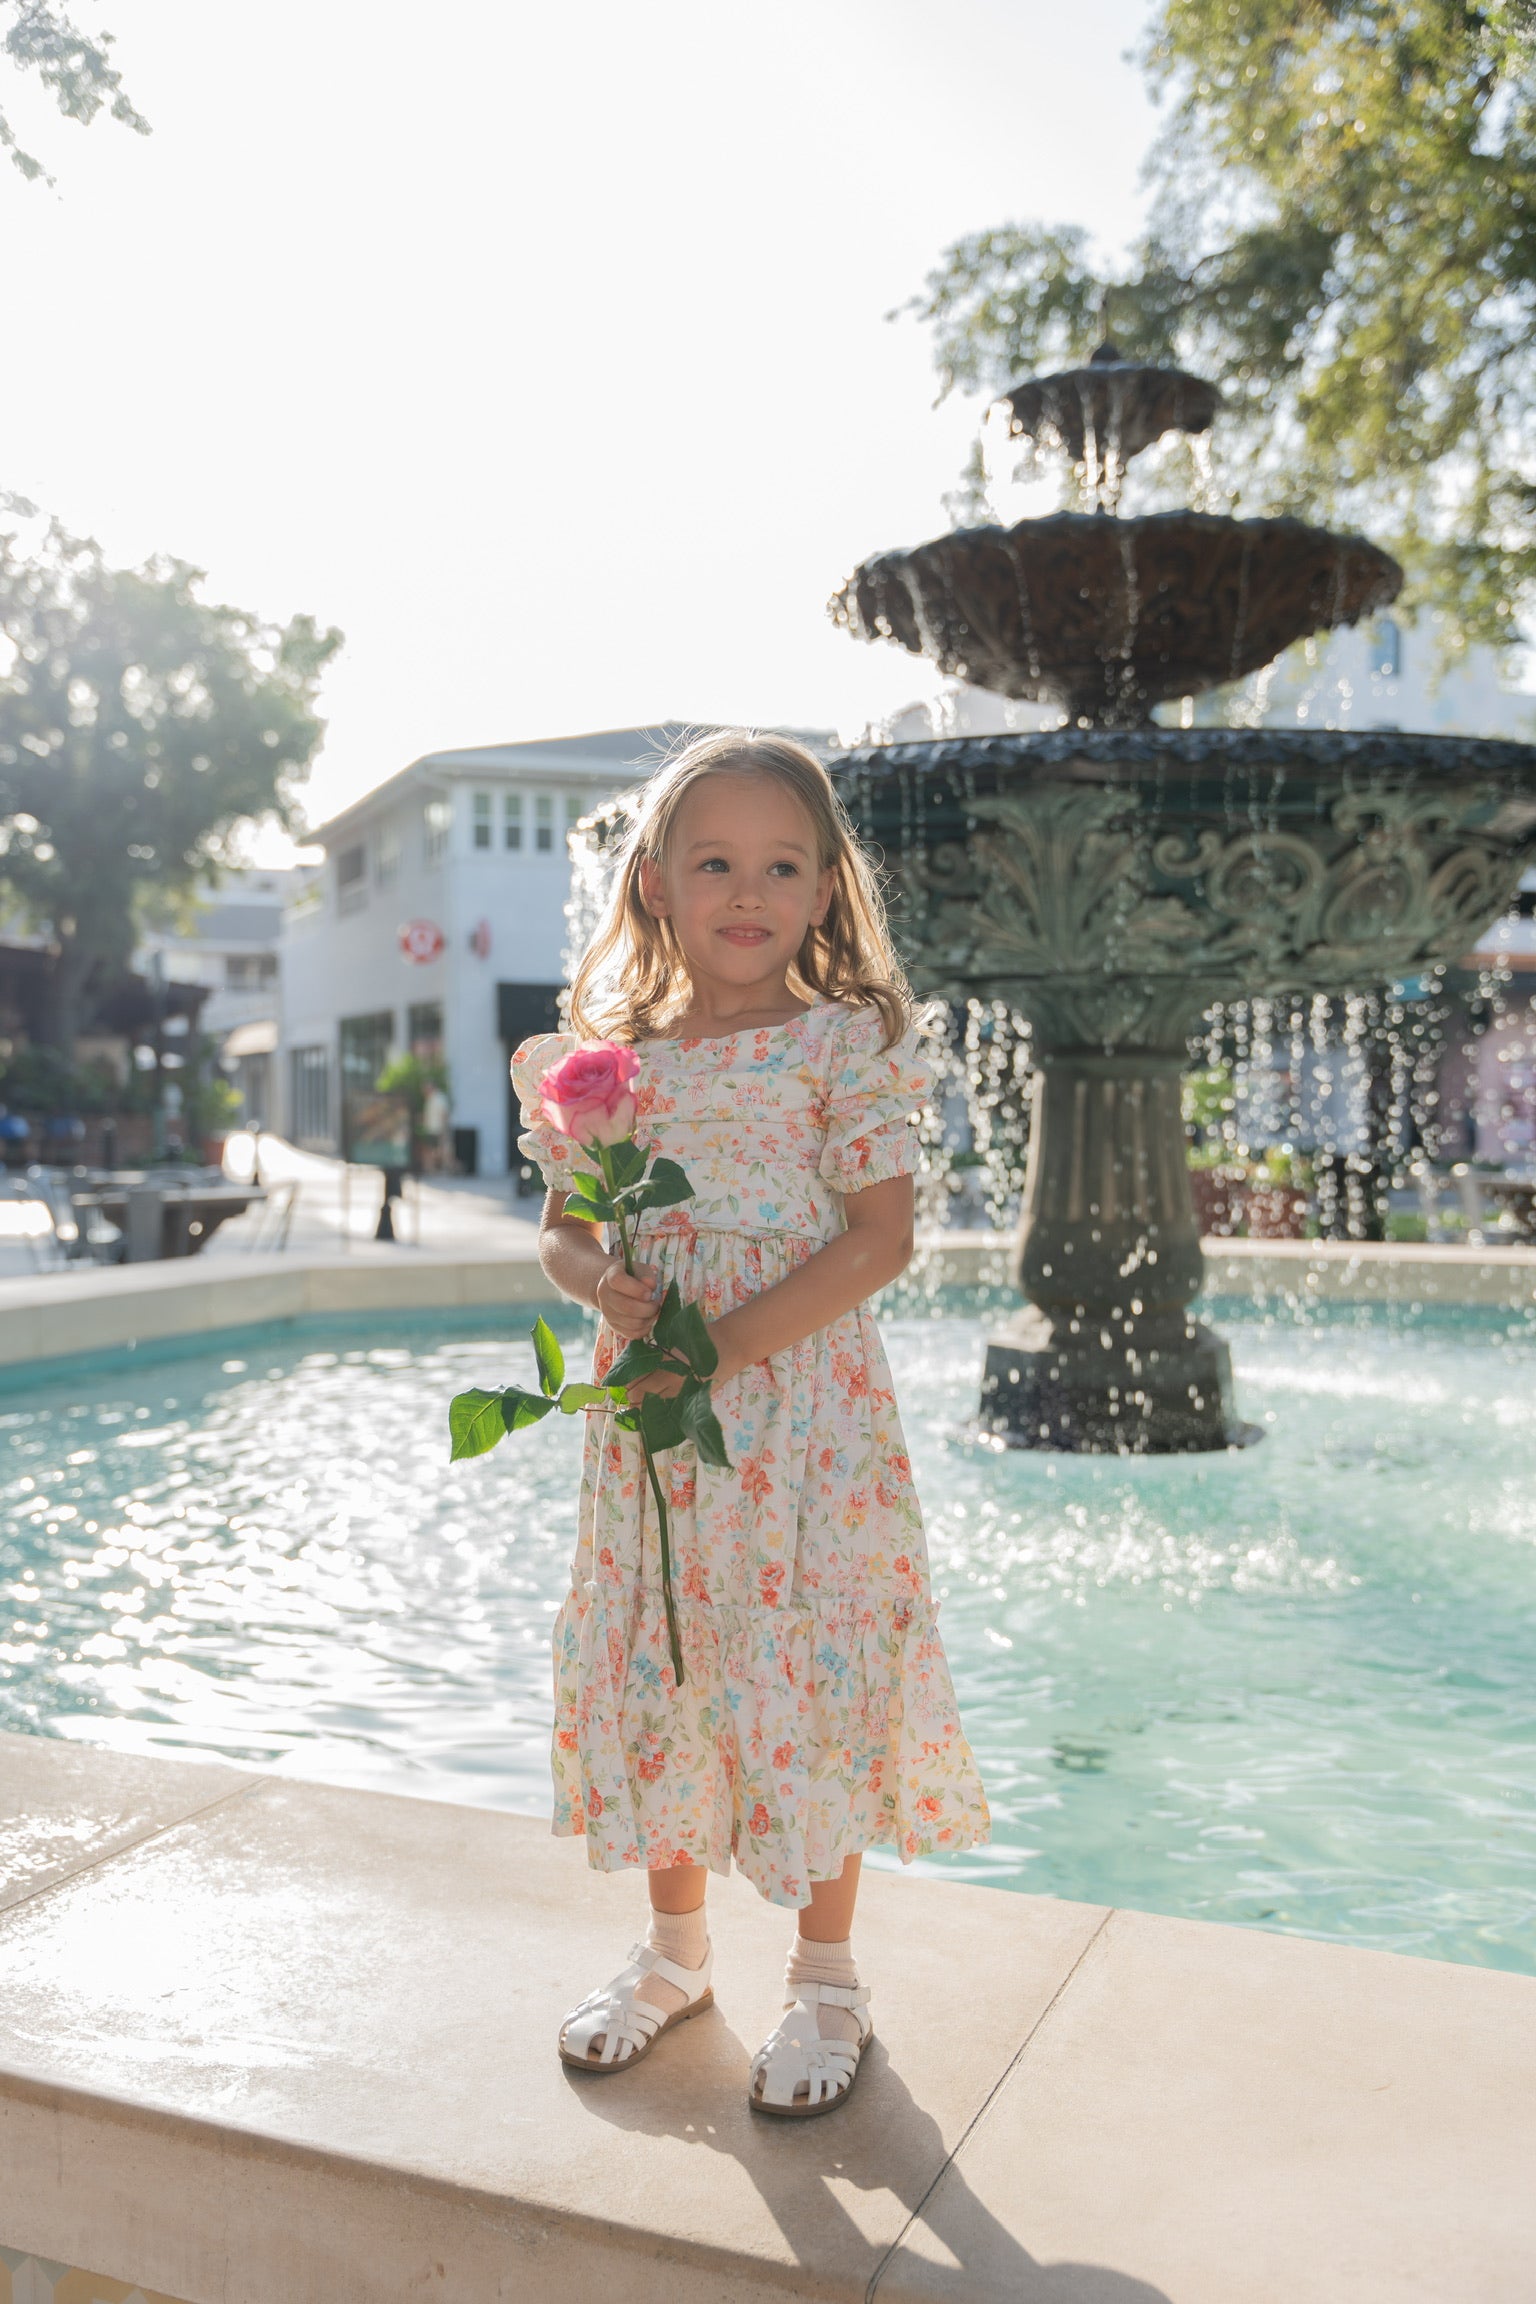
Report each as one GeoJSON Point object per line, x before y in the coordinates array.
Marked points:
{"type": "Point", "coordinates": [139, 723]}
{"type": "Point", "coordinates": [76, 70]}
{"type": "Point", "coordinates": [1343, 235]}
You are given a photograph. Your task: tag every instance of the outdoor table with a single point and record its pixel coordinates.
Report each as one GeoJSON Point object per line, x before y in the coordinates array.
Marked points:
{"type": "Point", "coordinates": [189, 1214]}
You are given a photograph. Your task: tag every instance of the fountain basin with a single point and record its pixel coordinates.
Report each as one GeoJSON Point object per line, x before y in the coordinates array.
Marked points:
{"type": "Point", "coordinates": [1107, 617]}
{"type": "Point", "coordinates": [1325, 1643]}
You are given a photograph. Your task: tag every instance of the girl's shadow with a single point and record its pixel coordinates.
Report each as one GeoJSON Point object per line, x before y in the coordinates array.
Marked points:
{"type": "Point", "coordinates": [694, 2089]}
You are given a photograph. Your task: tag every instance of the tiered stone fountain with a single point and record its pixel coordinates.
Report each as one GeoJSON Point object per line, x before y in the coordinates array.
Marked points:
{"type": "Point", "coordinates": [1112, 879]}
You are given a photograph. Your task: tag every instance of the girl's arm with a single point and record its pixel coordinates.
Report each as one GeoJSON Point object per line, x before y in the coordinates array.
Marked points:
{"type": "Point", "coordinates": [875, 1249]}
{"type": "Point", "coordinates": [573, 1256]}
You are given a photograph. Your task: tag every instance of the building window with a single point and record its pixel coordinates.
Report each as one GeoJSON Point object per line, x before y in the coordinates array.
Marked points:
{"type": "Point", "coordinates": [1388, 659]}
{"type": "Point", "coordinates": [386, 854]}
{"type": "Point", "coordinates": [352, 878]}
{"type": "Point", "coordinates": [575, 809]}
{"type": "Point", "coordinates": [309, 1077]}
{"type": "Point", "coordinates": [543, 823]}
{"type": "Point", "coordinates": [482, 820]}
{"type": "Point", "coordinates": [437, 822]}
{"type": "Point", "coordinates": [511, 819]}
{"type": "Point", "coordinates": [424, 1029]}
{"type": "Point", "coordinates": [249, 971]}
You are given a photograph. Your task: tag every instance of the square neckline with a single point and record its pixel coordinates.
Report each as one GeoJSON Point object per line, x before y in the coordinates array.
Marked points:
{"type": "Point", "coordinates": [719, 1039]}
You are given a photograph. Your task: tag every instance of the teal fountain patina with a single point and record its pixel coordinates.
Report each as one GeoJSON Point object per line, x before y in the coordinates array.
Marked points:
{"type": "Point", "coordinates": [1113, 879]}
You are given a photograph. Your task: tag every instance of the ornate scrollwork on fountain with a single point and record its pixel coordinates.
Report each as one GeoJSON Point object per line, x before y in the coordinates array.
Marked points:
{"type": "Point", "coordinates": [1113, 931]}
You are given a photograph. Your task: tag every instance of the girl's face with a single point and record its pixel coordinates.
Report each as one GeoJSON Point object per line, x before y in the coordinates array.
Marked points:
{"type": "Point", "coordinates": [739, 881]}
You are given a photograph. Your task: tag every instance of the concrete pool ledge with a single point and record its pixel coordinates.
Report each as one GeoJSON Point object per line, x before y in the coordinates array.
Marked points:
{"type": "Point", "coordinates": [1301, 1271]}
{"type": "Point", "coordinates": [266, 2042]}
{"type": "Point", "coordinates": [50, 1315]}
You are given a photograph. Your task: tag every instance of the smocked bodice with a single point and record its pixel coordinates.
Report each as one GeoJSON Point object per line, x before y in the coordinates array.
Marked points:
{"type": "Point", "coordinates": [772, 1127]}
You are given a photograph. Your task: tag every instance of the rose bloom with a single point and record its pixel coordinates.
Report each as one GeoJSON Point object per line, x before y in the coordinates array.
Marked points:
{"type": "Point", "coordinates": [588, 1094]}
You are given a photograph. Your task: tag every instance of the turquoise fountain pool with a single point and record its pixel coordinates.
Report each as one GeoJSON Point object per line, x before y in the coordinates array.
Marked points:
{"type": "Point", "coordinates": [1292, 1687]}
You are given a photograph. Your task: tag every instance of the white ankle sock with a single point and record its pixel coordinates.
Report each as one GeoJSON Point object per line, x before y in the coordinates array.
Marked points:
{"type": "Point", "coordinates": [813, 1963]}
{"type": "Point", "coordinates": [679, 1936]}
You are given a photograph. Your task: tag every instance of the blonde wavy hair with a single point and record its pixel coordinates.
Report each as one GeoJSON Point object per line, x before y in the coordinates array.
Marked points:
{"type": "Point", "coordinates": [633, 976]}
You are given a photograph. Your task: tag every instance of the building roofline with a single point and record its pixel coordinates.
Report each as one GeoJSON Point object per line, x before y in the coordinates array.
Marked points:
{"type": "Point", "coordinates": [600, 752]}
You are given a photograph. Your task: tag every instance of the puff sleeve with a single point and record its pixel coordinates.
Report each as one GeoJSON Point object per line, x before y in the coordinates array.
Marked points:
{"type": "Point", "coordinates": [874, 1095]}
{"type": "Point", "coordinates": [552, 1153]}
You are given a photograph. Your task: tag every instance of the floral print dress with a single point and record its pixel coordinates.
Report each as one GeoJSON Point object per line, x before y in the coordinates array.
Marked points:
{"type": "Point", "coordinates": [817, 1717]}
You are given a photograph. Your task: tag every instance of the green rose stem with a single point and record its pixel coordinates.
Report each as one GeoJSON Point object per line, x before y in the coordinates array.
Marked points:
{"type": "Point", "coordinates": [604, 1158]}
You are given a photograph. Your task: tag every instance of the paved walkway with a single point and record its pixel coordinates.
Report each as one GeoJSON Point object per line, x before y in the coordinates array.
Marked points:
{"type": "Point", "coordinates": [264, 2042]}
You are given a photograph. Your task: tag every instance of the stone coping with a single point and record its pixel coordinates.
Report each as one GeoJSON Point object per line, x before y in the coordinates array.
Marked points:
{"type": "Point", "coordinates": [55, 1314]}
{"type": "Point", "coordinates": [1302, 1271]}
{"type": "Point", "coordinates": [263, 2040]}
{"type": "Point", "coordinates": [52, 1315]}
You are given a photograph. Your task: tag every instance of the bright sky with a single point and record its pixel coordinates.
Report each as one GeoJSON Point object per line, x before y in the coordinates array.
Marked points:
{"type": "Point", "coordinates": [541, 348]}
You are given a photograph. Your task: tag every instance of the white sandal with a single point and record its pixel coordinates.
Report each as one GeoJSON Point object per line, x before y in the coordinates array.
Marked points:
{"type": "Point", "coordinates": [630, 2027]}
{"type": "Point", "coordinates": [794, 2055]}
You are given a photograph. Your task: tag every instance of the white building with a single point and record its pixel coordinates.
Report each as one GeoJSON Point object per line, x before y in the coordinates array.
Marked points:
{"type": "Point", "coordinates": [436, 925]}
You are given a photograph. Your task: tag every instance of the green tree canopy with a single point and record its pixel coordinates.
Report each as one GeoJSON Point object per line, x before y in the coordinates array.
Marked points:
{"type": "Point", "coordinates": [77, 71]}
{"type": "Point", "coordinates": [1343, 235]}
{"type": "Point", "coordinates": [139, 724]}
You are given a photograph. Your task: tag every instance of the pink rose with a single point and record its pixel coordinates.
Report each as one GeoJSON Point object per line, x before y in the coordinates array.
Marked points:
{"type": "Point", "coordinates": [587, 1095]}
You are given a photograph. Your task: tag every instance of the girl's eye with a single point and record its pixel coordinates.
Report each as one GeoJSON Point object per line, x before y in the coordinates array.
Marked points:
{"type": "Point", "coordinates": [790, 869]}
{"type": "Point", "coordinates": [714, 864]}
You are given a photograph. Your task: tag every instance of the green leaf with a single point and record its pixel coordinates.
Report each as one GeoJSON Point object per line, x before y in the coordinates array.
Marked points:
{"type": "Point", "coordinates": [474, 1424]}
{"type": "Point", "coordinates": [702, 1426]}
{"type": "Point", "coordinates": [683, 1329]}
{"type": "Point", "coordinates": [551, 1360]}
{"type": "Point", "coordinates": [661, 1421]}
{"type": "Point", "coordinates": [665, 1186]}
{"type": "Point", "coordinates": [589, 1209]}
{"type": "Point", "coordinates": [640, 1358]}
{"type": "Point", "coordinates": [668, 1312]}
{"type": "Point", "coordinates": [628, 1163]}
{"type": "Point", "coordinates": [627, 1420]}
{"type": "Point", "coordinates": [520, 1409]}
{"type": "Point", "coordinates": [695, 1342]}
{"type": "Point", "coordinates": [575, 1397]}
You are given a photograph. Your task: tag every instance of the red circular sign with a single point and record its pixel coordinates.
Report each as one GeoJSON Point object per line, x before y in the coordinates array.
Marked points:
{"type": "Point", "coordinates": [421, 941]}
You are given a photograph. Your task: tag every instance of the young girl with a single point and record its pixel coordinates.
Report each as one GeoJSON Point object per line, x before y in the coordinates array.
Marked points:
{"type": "Point", "coordinates": [745, 958]}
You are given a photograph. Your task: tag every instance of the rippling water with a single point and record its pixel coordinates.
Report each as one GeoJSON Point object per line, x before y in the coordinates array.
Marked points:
{"type": "Point", "coordinates": [1293, 1687]}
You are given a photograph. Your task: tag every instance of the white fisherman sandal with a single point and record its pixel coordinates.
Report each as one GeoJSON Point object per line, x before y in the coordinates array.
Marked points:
{"type": "Point", "coordinates": [628, 2025]}
{"type": "Point", "coordinates": [794, 2055]}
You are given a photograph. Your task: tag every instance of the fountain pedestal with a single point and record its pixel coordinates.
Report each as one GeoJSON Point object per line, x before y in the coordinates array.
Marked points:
{"type": "Point", "coordinates": [1104, 1354]}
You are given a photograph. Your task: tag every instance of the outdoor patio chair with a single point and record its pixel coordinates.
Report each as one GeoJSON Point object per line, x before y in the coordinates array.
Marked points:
{"type": "Point", "coordinates": [273, 1217]}
{"type": "Point", "coordinates": [81, 1234]}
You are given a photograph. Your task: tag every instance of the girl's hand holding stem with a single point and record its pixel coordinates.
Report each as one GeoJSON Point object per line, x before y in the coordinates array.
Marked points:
{"type": "Point", "coordinates": [627, 1301]}
{"type": "Point", "coordinates": [875, 1246]}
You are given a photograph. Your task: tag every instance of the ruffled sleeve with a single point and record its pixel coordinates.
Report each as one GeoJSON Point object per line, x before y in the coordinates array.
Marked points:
{"type": "Point", "coordinates": [874, 1095]}
{"type": "Point", "coordinates": [549, 1151]}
